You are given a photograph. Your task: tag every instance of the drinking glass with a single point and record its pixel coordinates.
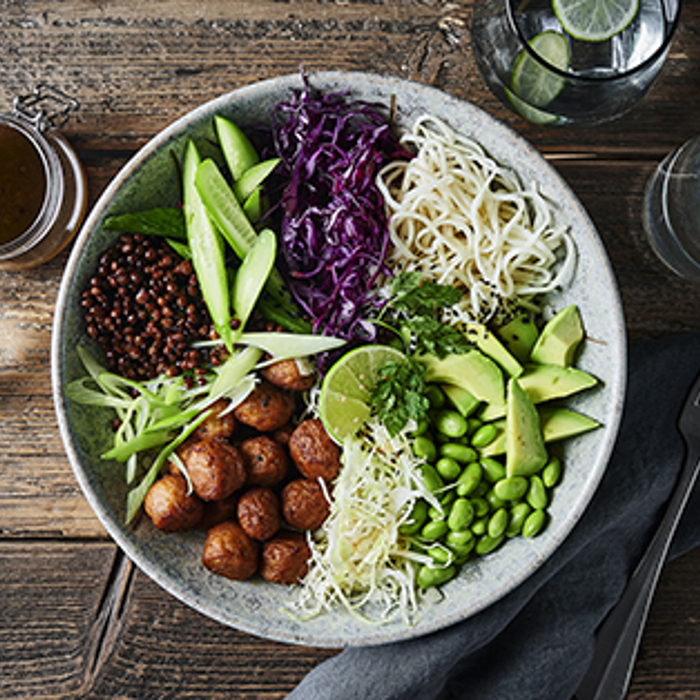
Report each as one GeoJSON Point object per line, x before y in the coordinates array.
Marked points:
{"type": "Point", "coordinates": [549, 77]}
{"type": "Point", "coordinates": [671, 211]}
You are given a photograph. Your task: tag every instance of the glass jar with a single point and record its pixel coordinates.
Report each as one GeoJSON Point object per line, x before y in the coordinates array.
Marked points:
{"type": "Point", "coordinates": [43, 190]}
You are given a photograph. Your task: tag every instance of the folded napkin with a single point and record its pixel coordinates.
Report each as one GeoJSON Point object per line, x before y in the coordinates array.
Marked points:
{"type": "Point", "coordinates": [536, 642]}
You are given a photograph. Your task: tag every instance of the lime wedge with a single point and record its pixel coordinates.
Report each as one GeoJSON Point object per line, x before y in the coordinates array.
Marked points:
{"type": "Point", "coordinates": [346, 389]}
{"type": "Point", "coordinates": [594, 20]}
{"type": "Point", "coordinates": [533, 85]}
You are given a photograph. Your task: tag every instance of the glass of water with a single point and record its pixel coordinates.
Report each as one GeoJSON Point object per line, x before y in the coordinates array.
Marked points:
{"type": "Point", "coordinates": [671, 212]}
{"type": "Point", "coordinates": [572, 62]}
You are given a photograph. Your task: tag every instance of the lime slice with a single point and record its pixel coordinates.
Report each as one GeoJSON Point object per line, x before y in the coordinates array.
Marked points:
{"type": "Point", "coordinates": [346, 388]}
{"type": "Point", "coordinates": [594, 20]}
{"type": "Point", "coordinates": [533, 85]}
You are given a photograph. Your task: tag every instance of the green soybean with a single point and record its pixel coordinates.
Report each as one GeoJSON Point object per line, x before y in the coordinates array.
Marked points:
{"type": "Point", "coordinates": [447, 499]}
{"type": "Point", "coordinates": [484, 435]}
{"type": "Point", "coordinates": [537, 494]}
{"type": "Point", "coordinates": [480, 526]}
{"type": "Point", "coordinates": [518, 515]}
{"type": "Point", "coordinates": [422, 427]}
{"type": "Point", "coordinates": [424, 448]}
{"type": "Point", "coordinates": [493, 500]}
{"type": "Point", "coordinates": [469, 479]}
{"type": "Point", "coordinates": [440, 554]}
{"type": "Point", "coordinates": [473, 424]}
{"type": "Point", "coordinates": [429, 576]}
{"type": "Point", "coordinates": [488, 544]}
{"type": "Point", "coordinates": [434, 530]}
{"type": "Point", "coordinates": [435, 513]}
{"type": "Point", "coordinates": [432, 480]}
{"type": "Point", "coordinates": [461, 515]}
{"type": "Point", "coordinates": [493, 469]}
{"type": "Point", "coordinates": [534, 523]}
{"type": "Point", "coordinates": [459, 538]}
{"type": "Point", "coordinates": [416, 519]}
{"type": "Point", "coordinates": [481, 506]}
{"type": "Point", "coordinates": [511, 488]}
{"type": "Point", "coordinates": [448, 468]}
{"type": "Point", "coordinates": [551, 472]}
{"type": "Point", "coordinates": [451, 423]}
{"type": "Point", "coordinates": [498, 523]}
{"type": "Point", "coordinates": [458, 452]}
{"type": "Point", "coordinates": [436, 396]}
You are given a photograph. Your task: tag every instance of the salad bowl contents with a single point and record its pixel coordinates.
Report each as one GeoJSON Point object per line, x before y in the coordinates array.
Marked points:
{"type": "Point", "coordinates": [338, 359]}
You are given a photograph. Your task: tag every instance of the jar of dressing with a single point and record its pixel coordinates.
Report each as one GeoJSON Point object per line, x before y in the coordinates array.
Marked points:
{"type": "Point", "coordinates": [43, 190]}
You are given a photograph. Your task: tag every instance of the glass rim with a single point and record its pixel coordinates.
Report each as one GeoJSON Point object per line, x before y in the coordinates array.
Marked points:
{"type": "Point", "coordinates": [670, 25]}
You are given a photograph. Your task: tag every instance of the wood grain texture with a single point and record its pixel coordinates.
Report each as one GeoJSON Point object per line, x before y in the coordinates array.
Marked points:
{"type": "Point", "coordinates": [77, 619]}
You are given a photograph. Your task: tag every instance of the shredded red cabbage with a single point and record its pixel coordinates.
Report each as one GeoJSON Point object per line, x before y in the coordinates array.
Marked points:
{"type": "Point", "coordinates": [334, 235]}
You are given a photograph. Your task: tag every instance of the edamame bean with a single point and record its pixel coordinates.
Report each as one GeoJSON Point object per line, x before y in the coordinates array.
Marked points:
{"type": "Point", "coordinates": [518, 515]}
{"type": "Point", "coordinates": [511, 488]}
{"type": "Point", "coordinates": [424, 448]}
{"type": "Point", "coordinates": [498, 523]}
{"type": "Point", "coordinates": [534, 523]}
{"type": "Point", "coordinates": [482, 489]}
{"type": "Point", "coordinates": [432, 480]}
{"type": "Point", "coordinates": [551, 472]}
{"type": "Point", "coordinates": [447, 498]}
{"type": "Point", "coordinates": [458, 452]}
{"type": "Point", "coordinates": [473, 424]}
{"type": "Point", "coordinates": [488, 544]}
{"type": "Point", "coordinates": [429, 576]}
{"type": "Point", "coordinates": [462, 552]}
{"type": "Point", "coordinates": [434, 530]}
{"type": "Point", "coordinates": [480, 526]}
{"type": "Point", "coordinates": [436, 396]}
{"type": "Point", "coordinates": [435, 513]}
{"type": "Point", "coordinates": [537, 494]}
{"type": "Point", "coordinates": [461, 515]}
{"type": "Point", "coordinates": [440, 554]}
{"type": "Point", "coordinates": [416, 519]}
{"type": "Point", "coordinates": [422, 427]}
{"type": "Point", "coordinates": [481, 506]}
{"type": "Point", "coordinates": [484, 435]}
{"type": "Point", "coordinates": [448, 468]}
{"type": "Point", "coordinates": [493, 470]}
{"type": "Point", "coordinates": [451, 423]}
{"type": "Point", "coordinates": [469, 479]}
{"type": "Point", "coordinates": [459, 538]}
{"type": "Point", "coordinates": [493, 500]}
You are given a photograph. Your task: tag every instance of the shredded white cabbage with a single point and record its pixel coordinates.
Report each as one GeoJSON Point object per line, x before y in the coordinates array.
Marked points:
{"type": "Point", "coordinates": [461, 218]}
{"type": "Point", "coordinates": [359, 558]}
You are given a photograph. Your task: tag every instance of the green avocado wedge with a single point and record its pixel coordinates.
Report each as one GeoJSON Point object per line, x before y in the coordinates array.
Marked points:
{"type": "Point", "coordinates": [559, 339]}
{"type": "Point", "coordinates": [526, 452]}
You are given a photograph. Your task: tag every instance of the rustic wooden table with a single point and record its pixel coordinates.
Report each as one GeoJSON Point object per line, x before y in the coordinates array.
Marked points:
{"type": "Point", "coordinates": [76, 618]}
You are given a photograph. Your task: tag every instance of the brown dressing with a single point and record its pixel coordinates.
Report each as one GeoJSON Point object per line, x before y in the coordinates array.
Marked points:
{"type": "Point", "coordinates": [22, 183]}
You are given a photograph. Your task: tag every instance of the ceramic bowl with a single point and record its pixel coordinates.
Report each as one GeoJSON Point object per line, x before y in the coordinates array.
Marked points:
{"type": "Point", "coordinates": [174, 561]}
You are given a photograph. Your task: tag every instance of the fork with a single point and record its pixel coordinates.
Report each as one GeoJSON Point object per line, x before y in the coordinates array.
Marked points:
{"type": "Point", "coordinates": [618, 638]}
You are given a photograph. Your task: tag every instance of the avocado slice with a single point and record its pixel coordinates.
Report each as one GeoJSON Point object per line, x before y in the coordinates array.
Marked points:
{"type": "Point", "coordinates": [526, 453]}
{"type": "Point", "coordinates": [519, 336]}
{"type": "Point", "coordinates": [464, 401]}
{"type": "Point", "coordinates": [559, 339]}
{"type": "Point", "coordinates": [492, 347]}
{"type": "Point", "coordinates": [557, 423]}
{"type": "Point", "coordinates": [546, 382]}
{"type": "Point", "coordinates": [472, 371]}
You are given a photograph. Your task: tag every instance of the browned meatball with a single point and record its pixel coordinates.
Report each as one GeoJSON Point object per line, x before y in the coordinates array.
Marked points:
{"type": "Point", "coordinates": [304, 505]}
{"type": "Point", "coordinates": [228, 551]}
{"type": "Point", "coordinates": [216, 425]}
{"type": "Point", "coordinates": [266, 461]}
{"type": "Point", "coordinates": [288, 375]}
{"type": "Point", "coordinates": [217, 512]}
{"type": "Point", "coordinates": [267, 407]}
{"type": "Point", "coordinates": [282, 435]}
{"type": "Point", "coordinates": [313, 451]}
{"type": "Point", "coordinates": [259, 513]}
{"type": "Point", "coordinates": [285, 558]}
{"type": "Point", "coordinates": [169, 506]}
{"type": "Point", "coordinates": [216, 469]}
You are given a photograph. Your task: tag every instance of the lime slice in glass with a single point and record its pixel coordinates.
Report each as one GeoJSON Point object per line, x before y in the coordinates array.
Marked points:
{"type": "Point", "coordinates": [533, 84]}
{"type": "Point", "coordinates": [347, 387]}
{"type": "Point", "coordinates": [594, 20]}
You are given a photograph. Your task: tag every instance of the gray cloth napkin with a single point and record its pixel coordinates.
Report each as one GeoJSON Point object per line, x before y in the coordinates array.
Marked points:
{"type": "Point", "coordinates": [536, 643]}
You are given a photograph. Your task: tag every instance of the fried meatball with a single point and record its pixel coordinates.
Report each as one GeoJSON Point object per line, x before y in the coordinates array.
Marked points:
{"type": "Point", "coordinates": [282, 435]}
{"type": "Point", "coordinates": [313, 451]}
{"type": "Point", "coordinates": [266, 408]}
{"type": "Point", "coordinates": [285, 558]}
{"type": "Point", "coordinates": [304, 504]}
{"type": "Point", "coordinates": [169, 506]}
{"type": "Point", "coordinates": [216, 425]}
{"type": "Point", "coordinates": [216, 469]}
{"type": "Point", "coordinates": [266, 461]}
{"type": "Point", "coordinates": [288, 374]}
{"type": "Point", "coordinates": [259, 513]}
{"type": "Point", "coordinates": [217, 512]}
{"type": "Point", "coordinates": [228, 551]}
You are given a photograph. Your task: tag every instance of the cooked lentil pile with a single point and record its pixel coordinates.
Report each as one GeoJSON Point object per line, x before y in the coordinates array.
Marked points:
{"type": "Point", "coordinates": [144, 307]}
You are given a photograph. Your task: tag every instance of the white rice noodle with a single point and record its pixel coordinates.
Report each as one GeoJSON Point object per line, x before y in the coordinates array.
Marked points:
{"type": "Point", "coordinates": [460, 218]}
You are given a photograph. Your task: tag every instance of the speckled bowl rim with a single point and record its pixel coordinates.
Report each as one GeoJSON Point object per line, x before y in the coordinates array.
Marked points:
{"type": "Point", "coordinates": [493, 576]}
